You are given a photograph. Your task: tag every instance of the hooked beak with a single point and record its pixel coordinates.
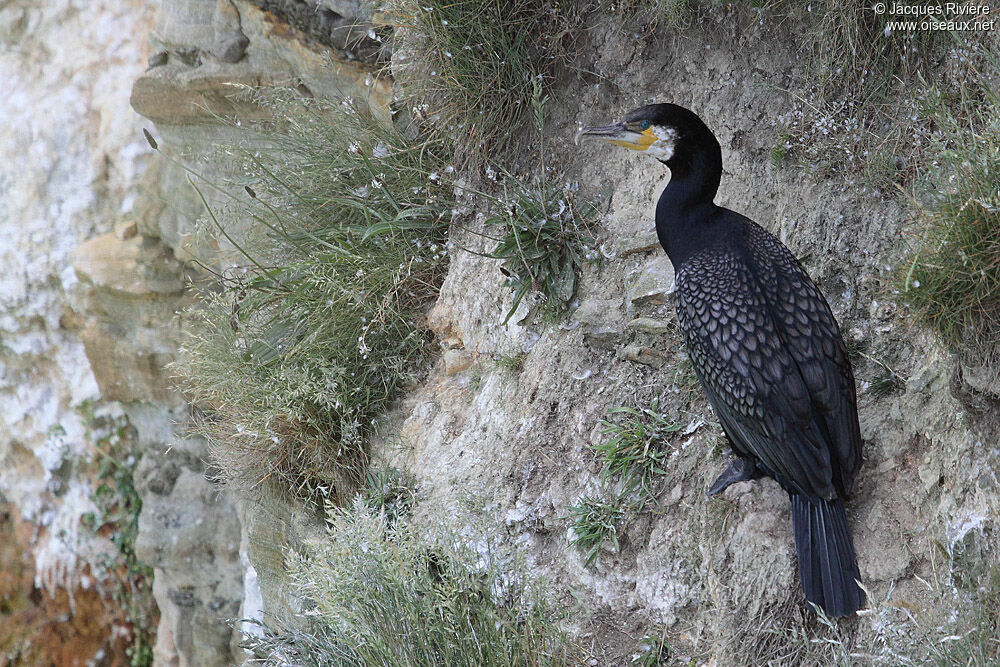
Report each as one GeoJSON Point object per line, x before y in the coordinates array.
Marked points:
{"type": "Point", "coordinates": [619, 135]}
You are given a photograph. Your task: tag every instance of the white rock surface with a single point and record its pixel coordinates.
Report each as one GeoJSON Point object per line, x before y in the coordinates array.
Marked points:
{"type": "Point", "coordinates": [71, 154]}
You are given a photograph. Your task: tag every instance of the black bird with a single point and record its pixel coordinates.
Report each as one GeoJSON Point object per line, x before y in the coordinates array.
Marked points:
{"type": "Point", "coordinates": [764, 345]}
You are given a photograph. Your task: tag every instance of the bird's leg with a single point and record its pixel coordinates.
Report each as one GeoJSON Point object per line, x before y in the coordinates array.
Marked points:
{"type": "Point", "coordinates": [739, 470]}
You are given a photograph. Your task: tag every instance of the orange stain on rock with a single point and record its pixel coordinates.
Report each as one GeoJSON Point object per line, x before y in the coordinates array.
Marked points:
{"type": "Point", "coordinates": [40, 630]}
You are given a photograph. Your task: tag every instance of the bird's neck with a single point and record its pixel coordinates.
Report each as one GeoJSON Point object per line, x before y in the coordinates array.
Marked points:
{"type": "Point", "coordinates": [688, 201]}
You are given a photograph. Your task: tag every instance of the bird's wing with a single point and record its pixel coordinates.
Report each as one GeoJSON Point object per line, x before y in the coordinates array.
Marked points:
{"type": "Point", "coordinates": [753, 381]}
{"type": "Point", "coordinates": [812, 338]}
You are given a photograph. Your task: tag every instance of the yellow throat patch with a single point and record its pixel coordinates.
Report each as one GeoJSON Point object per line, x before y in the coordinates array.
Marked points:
{"type": "Point", "coordinates": [642, 142]}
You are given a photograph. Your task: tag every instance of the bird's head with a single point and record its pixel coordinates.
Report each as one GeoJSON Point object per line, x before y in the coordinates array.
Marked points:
{"type": "Point", "coordinates": [662, 131]}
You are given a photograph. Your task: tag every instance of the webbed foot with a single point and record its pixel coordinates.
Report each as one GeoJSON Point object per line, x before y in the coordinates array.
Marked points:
{"type": "Point", "coordinates": [739, 470]}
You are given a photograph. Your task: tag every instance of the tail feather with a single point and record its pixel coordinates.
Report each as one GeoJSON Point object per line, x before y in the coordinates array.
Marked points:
{"type": "Point", "coordinates": [828, 567]}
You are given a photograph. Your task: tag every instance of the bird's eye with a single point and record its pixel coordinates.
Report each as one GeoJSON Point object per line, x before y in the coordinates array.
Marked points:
{"type": "Point", "coordinates": [644, 125]}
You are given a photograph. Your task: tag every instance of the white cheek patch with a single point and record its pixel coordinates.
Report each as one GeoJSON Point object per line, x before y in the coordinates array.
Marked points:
{"type": "Point", "coordinates": [663, 147]}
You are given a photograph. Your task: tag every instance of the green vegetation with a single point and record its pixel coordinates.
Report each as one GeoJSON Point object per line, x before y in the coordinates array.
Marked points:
{"type": "Point", "coordinates": [953, 280]}
{"type": "Point", "coordinates": [387, 490]}
{"type": "Point", "coordinates": [385, 593]}
{"type": "Point", "coordinates": [973, 584]}
{"type": "Point", "coordinates": [654, 650]}
{"type": "Point", "coordinates": [779, 152]}
{"type": "Point", "coordinates": [886, 383]}
{"type": "Point", "coordinates": [636, 451]}
{"type": "Point", "coordinates": [862, 111]}
{"type": "Point", "coordinates": [479, 62]}
{"type": "Point", "coordinates": [632, 459]}
{"type": "Point", "coordinates": [545, 233]}
{"type": "Point", "coordinates": [307, 340]}
{"type": "Point", "coordinates": [684, 379]}
{"type": "Point", "coordinates": [545, 238]}
{"type": "Point", "coordinates": [510, 363]}
{"type": "Point", "coordinates": [595, 521]}
{"type": "Point", "coordinates": [117, 517]}
{"type": "Point", "coordinates": [315, 330]}
{"type": "Point", "coordinates": [854, 51]}
{"type": "Point", "coordinates": [672, 14]}
{"type": "Point", "coordinates": [960, 629]}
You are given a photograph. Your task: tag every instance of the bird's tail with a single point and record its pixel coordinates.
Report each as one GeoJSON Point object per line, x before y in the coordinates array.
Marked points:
{"type": "Point", "coordinates": [828, 567]}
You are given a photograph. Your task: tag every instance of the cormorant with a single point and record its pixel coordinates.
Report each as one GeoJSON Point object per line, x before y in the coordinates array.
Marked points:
{"type": "Point", "coordinates": [765, 346]}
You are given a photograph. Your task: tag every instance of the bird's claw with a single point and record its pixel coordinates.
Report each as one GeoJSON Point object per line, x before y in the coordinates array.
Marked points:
{"type": "Point", "coordinates": [739, 470]}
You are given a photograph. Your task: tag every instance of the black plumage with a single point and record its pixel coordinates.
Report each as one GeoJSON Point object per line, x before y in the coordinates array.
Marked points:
{"type": "Point", "coordinates": [765, 346]}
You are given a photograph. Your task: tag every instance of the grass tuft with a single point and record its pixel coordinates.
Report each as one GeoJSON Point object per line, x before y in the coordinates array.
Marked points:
{"type": "Point", "coordinates": [475, 63]}
{"type": "Point", "coordinates": [866, 112]}
{"type": "Point", "coordinates": [545, 237]}
{"type": "Point", "coordinates": [854, 48]}
{"type": "Point", "coordinates": [885, 384]}
{"type": "Point", "coordinates": [636, 451]}
{"type": "Point", "coordinates": [510, 363]}
{"type": "Point", "coordinates": [654, 650]}
{"type": "Point", "coordinates": [972, 633]}
{"type": "Point", "coordinates": [389, 491]}
{"type": "Point", "coordinates": [953, 280]}
{"type": "Point", "coordinates": [593, 522]}
{"type": "Point", "coordinates": [394, 594]}
{"type": "Point", "coordinates": [670, 14]}
{"type": "Point", "coordinates": [632, 459]}
{"type": "Point", "coordinates": [315, 327]}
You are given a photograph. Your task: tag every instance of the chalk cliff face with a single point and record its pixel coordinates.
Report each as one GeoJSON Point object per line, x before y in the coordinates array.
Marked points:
{"type": "Point", "coordinates": [71, 169]}
{"type": "Point", "coordinates": [95, 231]}
{"type": "Point", "coordinates": [97, 238]}
{"type": "Point", "coordinates": [88, 297]}
{"type": "Point", "coordinates": [204, 54]}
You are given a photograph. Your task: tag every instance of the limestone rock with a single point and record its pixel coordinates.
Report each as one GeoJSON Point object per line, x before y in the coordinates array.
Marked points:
{"type": "Point", "coordinates": [653, 283]}
{"type": "Point", "coordinates": [13, 23]}
{"type": "Point", "coordinates": [158, 59]}
{"type": "Point", "coordinates": [176, 95]}
{"type": "Point", "coordinates": [137, 266]}
{"type": "Point", "coordinates": [456, 361]}
{"type": "Point", "coordinates": [129, 292]}
{"type": "Point", "coordinates": [631, 244]}
{"type": "Point", "coordinates": [649, 325]}
{"type": "Point", "coordinates": [596, 312]}
{"type": "Point", "coordinates": [646, 356]}
{"type": "Point", "coordinates": [273, 528]}
{"type": "Point", "coordinates": [982, 379]}
{"type": "Point", "coordinates": [71, 158]}
{"type": "Point", "coordinates": [342, 7]}
{"type": "Point", "coordinates": [183, 24]}
{"type": "Point", "coordinates": [191, 537]}
{"type": "Point", "coordinates": [189, 531]}
{"type": "Point", "coordinates": [179, 94]}
{"type": "Point", "coordinates": [603, 338]}
{"type": "Point", "coordinates": [229, 44]}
